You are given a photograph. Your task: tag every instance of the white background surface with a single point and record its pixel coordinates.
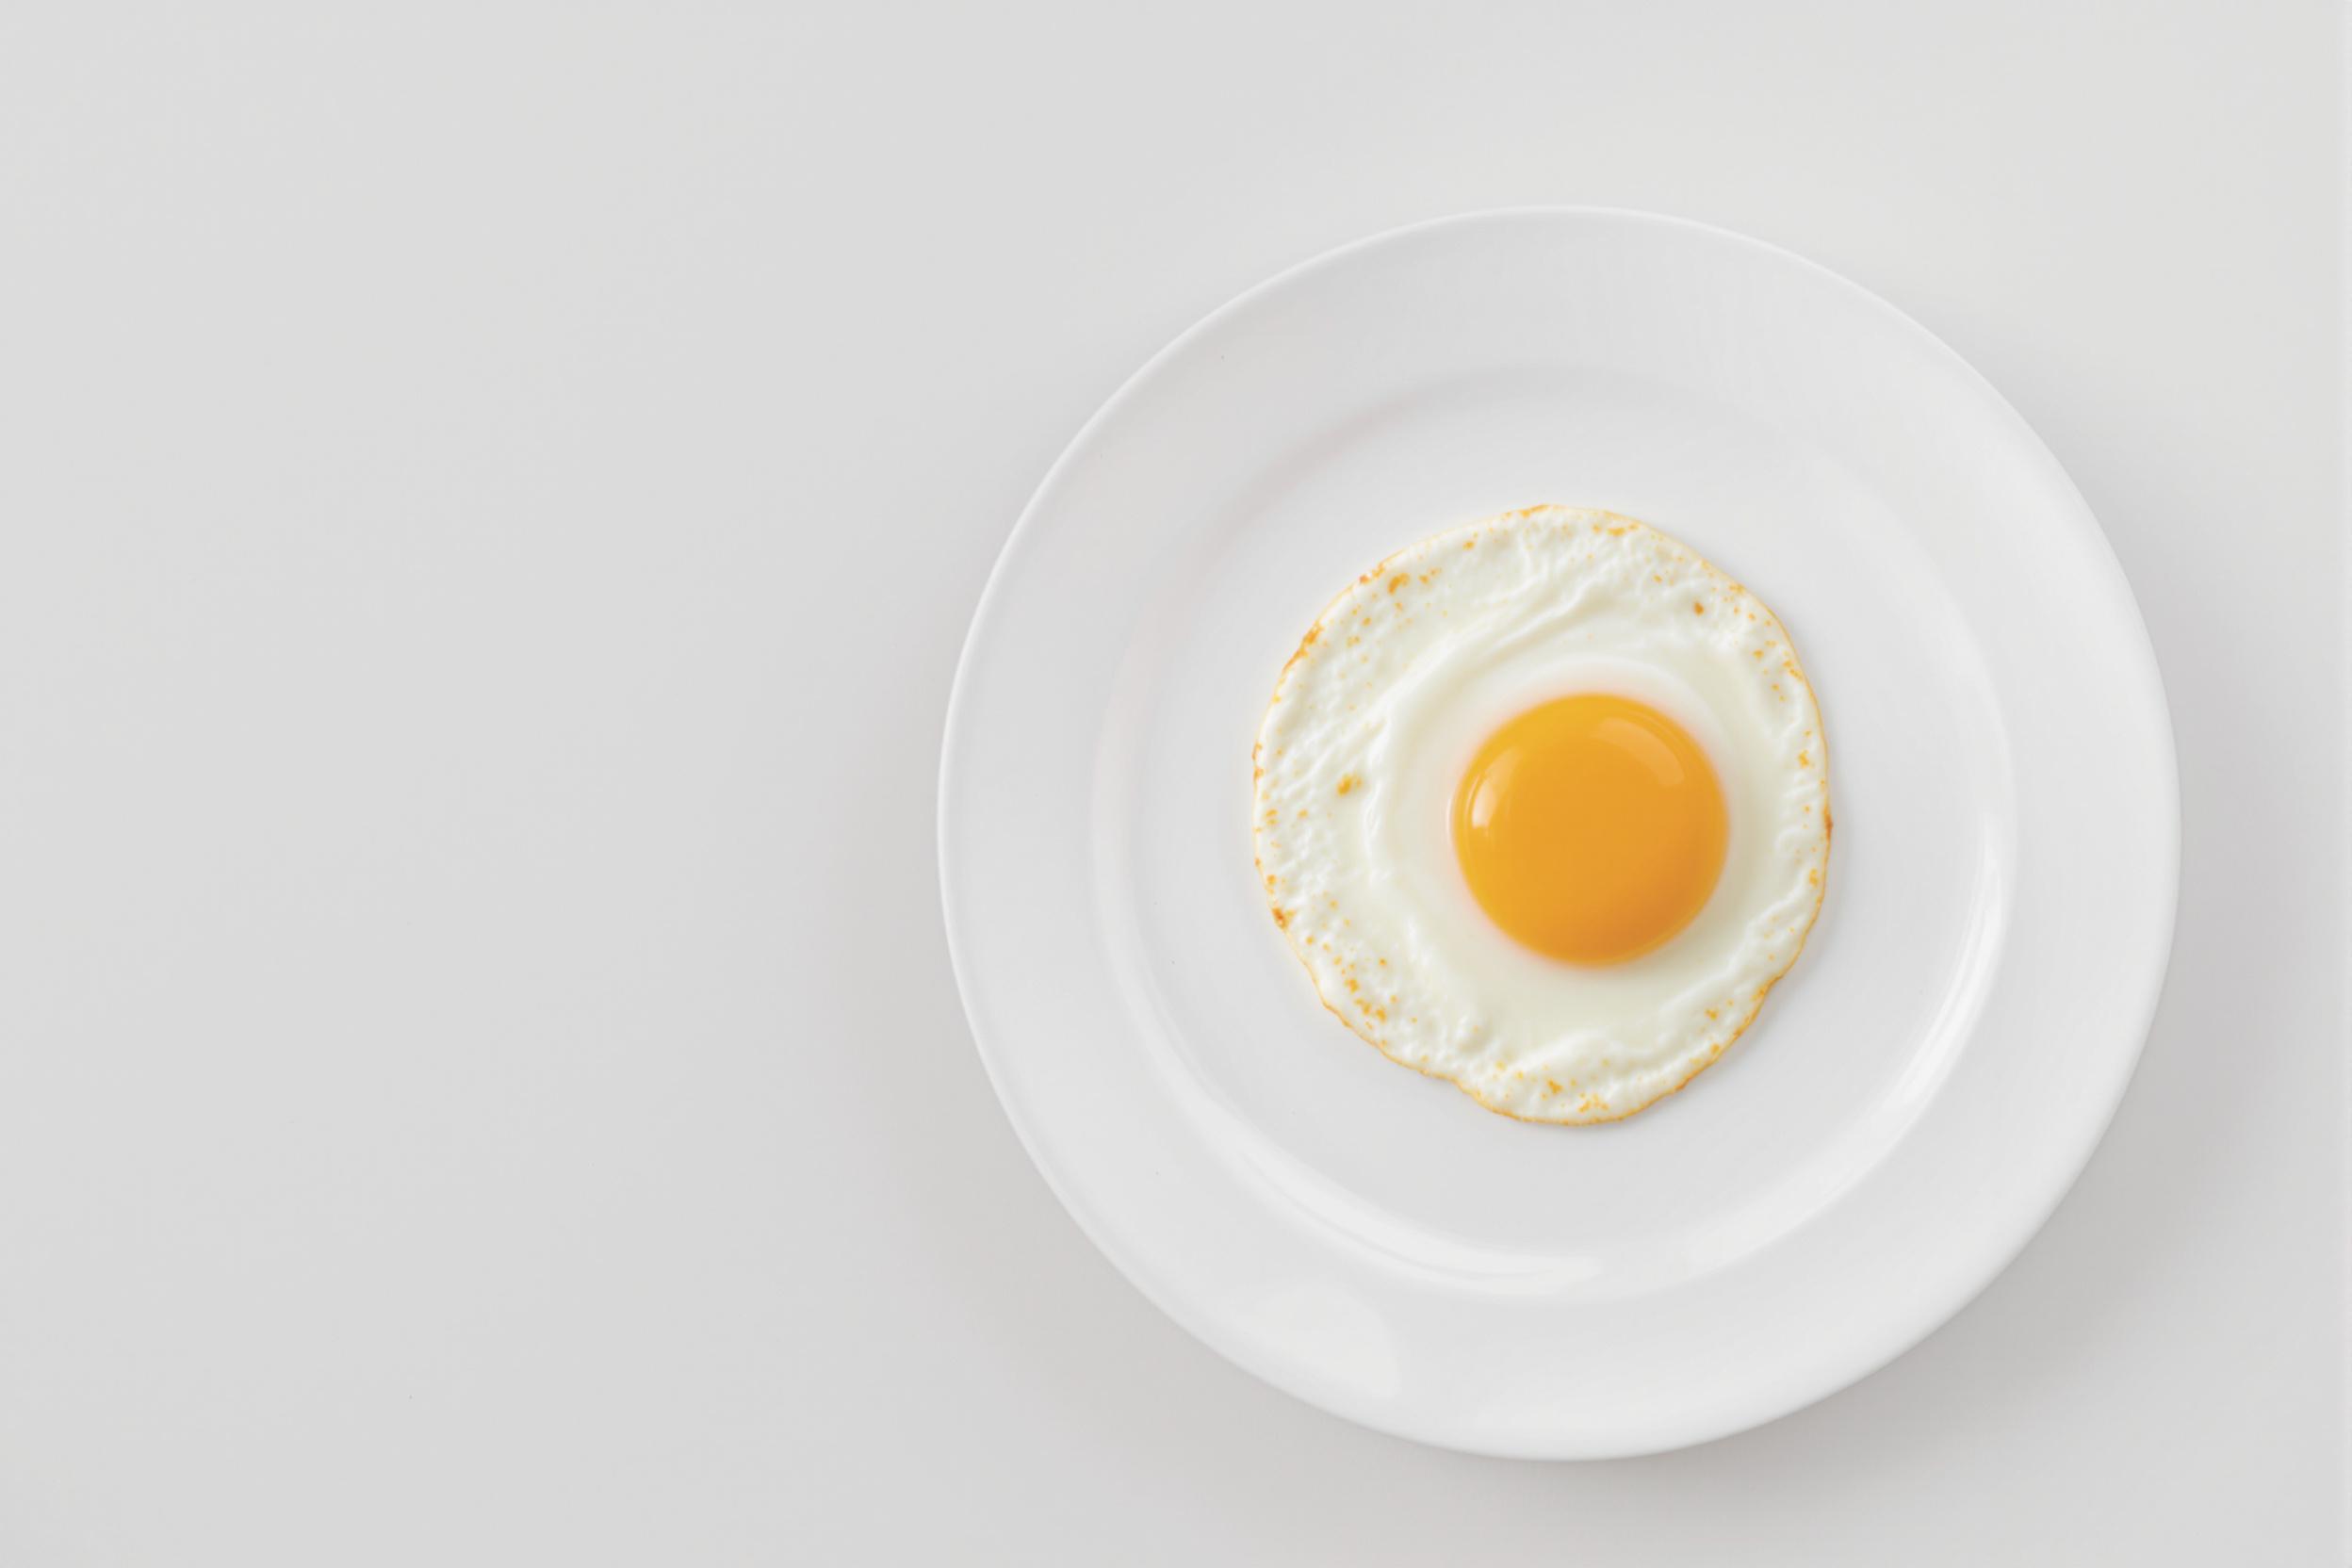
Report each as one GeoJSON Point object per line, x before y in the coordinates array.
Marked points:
{"type": "Point", "coordinates": [490, 502]}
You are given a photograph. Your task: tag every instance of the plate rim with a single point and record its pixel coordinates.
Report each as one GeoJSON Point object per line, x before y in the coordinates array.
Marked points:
{"type": "Point", "coordinates": [2144, 990]}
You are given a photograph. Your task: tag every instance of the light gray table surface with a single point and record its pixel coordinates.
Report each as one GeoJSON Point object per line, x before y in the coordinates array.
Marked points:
{"type": "Point", "coordinates": [491, 499]}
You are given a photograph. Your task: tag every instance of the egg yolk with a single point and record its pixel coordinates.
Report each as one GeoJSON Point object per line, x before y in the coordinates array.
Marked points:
{"type": "Point", "coordinates": [1591, 828]}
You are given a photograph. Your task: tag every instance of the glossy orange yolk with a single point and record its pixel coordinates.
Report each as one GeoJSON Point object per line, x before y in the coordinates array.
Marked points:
{"type": "Point", "coordinates": [1591, 828]}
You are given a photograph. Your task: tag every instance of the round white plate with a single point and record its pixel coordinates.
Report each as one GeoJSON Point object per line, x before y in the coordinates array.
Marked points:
{"type": "Point", "coordinates": [1913, 1100]}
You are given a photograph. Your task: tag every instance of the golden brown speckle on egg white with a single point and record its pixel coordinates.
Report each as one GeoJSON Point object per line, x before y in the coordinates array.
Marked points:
{"type": "Point", "coordinates": [1312, 752]}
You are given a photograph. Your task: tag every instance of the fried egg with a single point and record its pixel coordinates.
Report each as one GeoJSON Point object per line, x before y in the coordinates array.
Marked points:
{"type": "Point", "coordinates": [1543, 806]}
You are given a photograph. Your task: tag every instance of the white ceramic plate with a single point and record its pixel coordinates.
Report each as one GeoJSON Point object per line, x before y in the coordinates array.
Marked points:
{"type": "Point", "coordinates": [1912, 1101]}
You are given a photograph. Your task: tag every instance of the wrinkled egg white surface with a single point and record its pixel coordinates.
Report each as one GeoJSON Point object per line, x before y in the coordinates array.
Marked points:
{"type": "Point", "coordinates": [1382, 710]}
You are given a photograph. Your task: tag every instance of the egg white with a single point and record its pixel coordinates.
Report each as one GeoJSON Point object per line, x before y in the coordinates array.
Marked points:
{"type": "Point", "coordinates": [1380, 711]}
